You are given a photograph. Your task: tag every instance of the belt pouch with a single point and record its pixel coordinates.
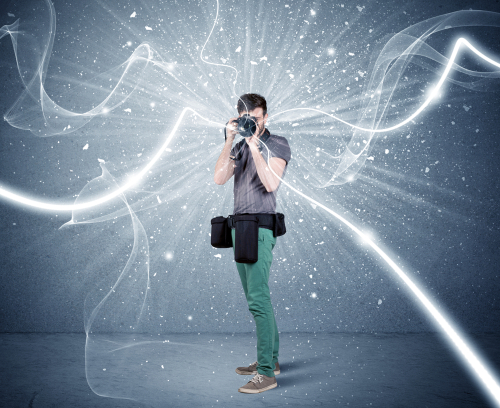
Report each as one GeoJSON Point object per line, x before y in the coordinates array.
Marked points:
{"type": "Point", "coordinates": [246, 241]}
{"type": "Point", "coordinates": [221, 233]}
{"type": "Point", "coordinates": [279, 225]}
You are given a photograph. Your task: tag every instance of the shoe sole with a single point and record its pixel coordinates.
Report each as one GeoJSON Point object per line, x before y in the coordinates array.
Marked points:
{"type": "Point", "coordinates": [247, 391]}
{"type": "Point", "coordinates": [276, 372]}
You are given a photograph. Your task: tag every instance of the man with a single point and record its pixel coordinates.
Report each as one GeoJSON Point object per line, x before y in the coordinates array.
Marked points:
{"type": "Point", "coordinates": [255, 190]}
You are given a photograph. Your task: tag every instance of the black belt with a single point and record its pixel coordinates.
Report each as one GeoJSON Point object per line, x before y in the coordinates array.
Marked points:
{"type": "Point", "coordinates": [267, 221]}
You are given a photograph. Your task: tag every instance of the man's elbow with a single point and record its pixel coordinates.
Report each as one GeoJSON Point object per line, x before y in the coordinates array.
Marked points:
{"type": "Point", "coordinates": [221, 177]}
{"type": "Point", "coordinates": [272, 187]}
{"type": "Point", "coordinates": [218, 180]}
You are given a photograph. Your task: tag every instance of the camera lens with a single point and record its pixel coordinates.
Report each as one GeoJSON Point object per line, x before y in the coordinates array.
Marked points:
{"type": "Point", "coordinates": [247, 125]}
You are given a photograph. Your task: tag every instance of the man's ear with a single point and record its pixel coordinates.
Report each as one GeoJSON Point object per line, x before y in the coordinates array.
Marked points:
{"type": "Point", "coordinates": [265, 118]}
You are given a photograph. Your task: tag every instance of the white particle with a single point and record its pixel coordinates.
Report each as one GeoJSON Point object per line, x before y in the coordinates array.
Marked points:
{"type": "Point", "coordinates": [238, 49]}
{"type": "Point", "coordinates": [314, 295]}
{"type": "Point", "coordinates": [127, 110]}
{"type": "Point", "coordinates": [380, 301]}
{"type": "Point", "coordinates": [149, 28]}
{"type": "Point", "coordinates": [86, 147]}
{"type": "Point", "coordinates": [386, 151]}
{"type": "Point", "coordinates": [133, 14]}
{"type": "Point", "coordinates": [218, 256]}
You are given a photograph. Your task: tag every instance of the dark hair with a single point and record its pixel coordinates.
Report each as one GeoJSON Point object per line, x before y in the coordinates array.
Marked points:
{"type": "Point", "coordinates": [250, 101]}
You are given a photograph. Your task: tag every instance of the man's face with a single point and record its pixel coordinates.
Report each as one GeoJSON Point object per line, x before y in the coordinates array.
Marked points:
{"type": "Point", "coordinates": [258, 113]}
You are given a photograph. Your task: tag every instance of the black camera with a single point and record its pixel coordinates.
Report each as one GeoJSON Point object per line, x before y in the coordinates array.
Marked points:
{"type": "Point", "coordinates": [246, 125]}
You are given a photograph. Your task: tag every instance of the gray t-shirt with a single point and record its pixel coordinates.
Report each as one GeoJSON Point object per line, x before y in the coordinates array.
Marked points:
{"type": "Point", "coordinates": [250, 195]}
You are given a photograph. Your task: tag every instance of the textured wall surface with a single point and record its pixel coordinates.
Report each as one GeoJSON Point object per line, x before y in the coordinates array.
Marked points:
{"type": "Point", "coordinates": [429, 194]}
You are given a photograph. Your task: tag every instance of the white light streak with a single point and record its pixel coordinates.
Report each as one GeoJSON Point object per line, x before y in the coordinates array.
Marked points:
{"type": "Point", "coordinates": [132, 180]}
{"type": "Point", "coordinates": [433, 93]}
{"type": "Point", "coordinates": [460, 345]}
{"type": "Point", "coordinates": [10, 195]}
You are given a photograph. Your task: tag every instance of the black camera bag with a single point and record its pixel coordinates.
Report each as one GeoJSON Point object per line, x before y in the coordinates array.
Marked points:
{"type": "Point", "coordinates": [221, 233]}
{"type": "Point", "coordinates": [246, 240]}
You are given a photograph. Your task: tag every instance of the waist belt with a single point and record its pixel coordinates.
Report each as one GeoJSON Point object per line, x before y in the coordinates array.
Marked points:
{"type": "Point", "coordinates": [267, 221]}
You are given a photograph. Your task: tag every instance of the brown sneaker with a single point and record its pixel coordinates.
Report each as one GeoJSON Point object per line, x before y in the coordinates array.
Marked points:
{"type": "Point", "coordinates": [252, 369]}
{"type": "Point", "coordinates": [259, 383]}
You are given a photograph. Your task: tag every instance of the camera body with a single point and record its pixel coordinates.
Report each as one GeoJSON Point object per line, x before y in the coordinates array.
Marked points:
{"type": "Point", "coordinates": [246, 125]}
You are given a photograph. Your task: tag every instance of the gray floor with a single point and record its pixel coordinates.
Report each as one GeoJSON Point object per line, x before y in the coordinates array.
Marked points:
{"type": "Point", "coordinates": [354, 370]}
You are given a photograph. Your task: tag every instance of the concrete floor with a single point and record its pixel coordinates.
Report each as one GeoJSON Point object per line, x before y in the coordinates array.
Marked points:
{"type": "Point", "coordinates": [352, 370]}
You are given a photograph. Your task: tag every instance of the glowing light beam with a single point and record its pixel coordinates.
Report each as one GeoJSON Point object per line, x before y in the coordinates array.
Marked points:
{"type": "Point", "coordinates": [35, 203]}
{"type": "Point", "coordinates": [434, 93]}
{"type": "Point", "coordinates": [474, 362]}
{"type": "Point", "coordinates": [132, 181]}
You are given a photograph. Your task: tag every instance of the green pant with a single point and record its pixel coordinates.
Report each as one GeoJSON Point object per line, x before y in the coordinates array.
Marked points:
{"type": "Point", "coordinates": [255, 280]}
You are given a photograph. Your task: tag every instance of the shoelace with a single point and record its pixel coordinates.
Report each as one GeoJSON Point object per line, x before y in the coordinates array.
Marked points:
{"type": "Point", "coordinates": [258, 378]}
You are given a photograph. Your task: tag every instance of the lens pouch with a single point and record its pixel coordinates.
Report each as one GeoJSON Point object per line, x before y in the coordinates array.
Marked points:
{"type": "Point", "coordinates": [246, 240]}
{"type": "Point", "coordinates": [220, 236]}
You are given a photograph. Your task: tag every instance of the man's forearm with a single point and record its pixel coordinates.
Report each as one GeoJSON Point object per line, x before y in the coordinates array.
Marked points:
{"type": "Point", "coordinates": [224, 168]}
{"type": "Point", "coordinates": [270, 181]}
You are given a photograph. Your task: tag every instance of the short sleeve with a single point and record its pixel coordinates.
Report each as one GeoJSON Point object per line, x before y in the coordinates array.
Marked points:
{"type": "Point", "coordinates": [281, 149]}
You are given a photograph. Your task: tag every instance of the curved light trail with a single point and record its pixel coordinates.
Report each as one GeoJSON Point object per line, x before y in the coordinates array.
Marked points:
{"type": "Point", "coordinates": [433, 94]}
{"type": "Point", "coordinates": [135, 179]}
{"type": "Point", "coordinates": [460, 345]}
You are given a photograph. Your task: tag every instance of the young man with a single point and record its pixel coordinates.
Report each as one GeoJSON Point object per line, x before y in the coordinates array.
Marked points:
{"type": "Point", "coordinates": [255, 190]}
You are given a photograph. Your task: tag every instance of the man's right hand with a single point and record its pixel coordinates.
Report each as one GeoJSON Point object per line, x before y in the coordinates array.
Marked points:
{"type": "Point", "coordinates": [231, 130]}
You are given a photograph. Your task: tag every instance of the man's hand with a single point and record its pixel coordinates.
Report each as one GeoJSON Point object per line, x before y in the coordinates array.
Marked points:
{"type": "Point", "coordinates": [252, 142]}
{"type": "Point", "coordinates": [231, 130]}
{"type": "Point", "coordinates": [224, 168]}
